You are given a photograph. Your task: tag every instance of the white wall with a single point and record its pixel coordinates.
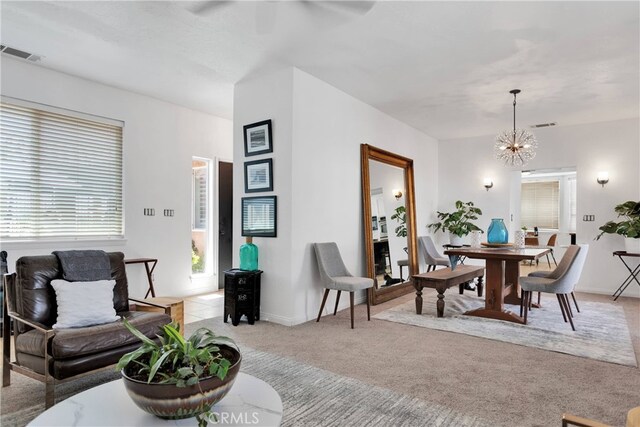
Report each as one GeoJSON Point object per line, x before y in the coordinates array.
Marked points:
{"type": "Point", "coordinates": [317, 131]}
{"type": "Point", "coordinates": [159, 142]}
{"type": "Point", "coordinates": [612, 146]}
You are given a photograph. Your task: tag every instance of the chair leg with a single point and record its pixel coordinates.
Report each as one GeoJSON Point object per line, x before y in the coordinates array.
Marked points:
{"type": "Point", "coordinates": [522, 302]}
{"type": "Point", "coordinates": [527, 297]}
{"type": "Point", "coordinates": [565, 300]}
{"type": "Point", "coordinates": [351, 306]}
{"type": "Point", "coordinates": [575, 302]}
{"type": "Point", "coordinates": [539, 295]}
{"type": "Point", "coordinates": [368, 305]}
{"type": "Point", "coordinates": [548, 261]}
{"type": "Point", "coordinates": [564, 316]}
{"type": "Point", "coordinates": [335, 310]}
{"type": "Point", "coordinates": [567, 305]}
{"type": "Point", "coordinates": [50, 393]}
{"type": "Point", "coordinates": [554, 258]}
{"type": "Point", "coordinates": [324, 300]}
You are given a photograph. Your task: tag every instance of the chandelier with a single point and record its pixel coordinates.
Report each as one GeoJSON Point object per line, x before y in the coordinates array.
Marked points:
{"type": "Point", "coordinates": [515, 147]}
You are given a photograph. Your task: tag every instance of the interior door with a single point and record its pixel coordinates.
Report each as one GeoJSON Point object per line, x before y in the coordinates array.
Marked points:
{"type": "Point", "coordinates": [225, 218]}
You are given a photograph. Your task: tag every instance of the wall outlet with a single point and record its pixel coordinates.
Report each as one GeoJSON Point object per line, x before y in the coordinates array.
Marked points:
{"type": "Point", "coordinates": [168, 212]}
{"type": "Point", "coordinates": [149, 212]}
{"type": "Point", "coordinates": [588, 218]}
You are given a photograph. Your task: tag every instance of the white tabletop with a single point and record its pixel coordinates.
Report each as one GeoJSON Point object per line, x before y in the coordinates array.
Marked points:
{"type": "Point", "coordinates": [250, 401]}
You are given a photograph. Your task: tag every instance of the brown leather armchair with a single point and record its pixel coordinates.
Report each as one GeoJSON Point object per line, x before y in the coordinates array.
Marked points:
{"type": "Point", "coordinates": [56, 355]}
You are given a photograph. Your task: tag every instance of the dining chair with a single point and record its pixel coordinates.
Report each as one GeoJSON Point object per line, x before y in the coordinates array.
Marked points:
{"type": "Point", "coordinates": [550, 244]}
{"type": "Point", "coordinates": [560, 281]}
{"type": "Point", "coordinates": [334, 275]}
{"type": "Point", "coordinates": [430, 254]}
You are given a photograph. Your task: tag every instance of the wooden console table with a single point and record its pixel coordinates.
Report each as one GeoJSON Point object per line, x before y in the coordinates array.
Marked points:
{"type": "Point", "coordinates": [633, 273]}
{"type": "Point", "coordinates": [149, 270]}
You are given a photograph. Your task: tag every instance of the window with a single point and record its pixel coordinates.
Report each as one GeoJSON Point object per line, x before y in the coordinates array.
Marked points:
{"type": "Point", "coordinates": [200, 231]}
{"type": "Point", "coordinates": [60, 174]}
{"type": "Point", "coordinates": [540, 205]}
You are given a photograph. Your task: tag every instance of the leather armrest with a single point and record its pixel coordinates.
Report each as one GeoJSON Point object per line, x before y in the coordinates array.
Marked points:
{"type": "Point", "coordinates": [35, 325]}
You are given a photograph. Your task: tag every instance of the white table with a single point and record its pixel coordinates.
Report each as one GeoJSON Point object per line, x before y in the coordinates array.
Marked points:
{"type": "Point", "coordinates": [250, 401]}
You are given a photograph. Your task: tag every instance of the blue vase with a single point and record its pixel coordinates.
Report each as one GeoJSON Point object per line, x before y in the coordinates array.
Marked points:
{"type": "Point", "coordinates": [498, 232]}
{"type": "Point", "coordinates": [249, 256]}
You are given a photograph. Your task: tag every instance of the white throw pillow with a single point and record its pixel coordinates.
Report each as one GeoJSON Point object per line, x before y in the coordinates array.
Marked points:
{"type": "Point", "coordinates": [84, 303]}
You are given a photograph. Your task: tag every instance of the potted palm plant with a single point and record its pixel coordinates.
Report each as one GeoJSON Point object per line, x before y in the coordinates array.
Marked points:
{"type": "Point", "coordinates": [628, 227]}
{"type": "Point", "coordinates": [457, 223]}
{"type": "Point", "coordinates": [180, 378]}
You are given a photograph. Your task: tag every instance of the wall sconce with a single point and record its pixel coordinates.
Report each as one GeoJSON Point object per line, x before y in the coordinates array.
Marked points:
{"type": "Point", "coordinates": [603, 178]}
{"type": "Point", "coordinates": [397, 194]}
{"type": "Point", "coordinates": [488, 183]}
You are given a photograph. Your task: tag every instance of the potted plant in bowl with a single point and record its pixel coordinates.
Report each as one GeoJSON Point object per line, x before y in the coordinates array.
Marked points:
{"type": "Point", "coordinates": [629, 227]}
{"type": "Point", "coordinates": [457, 223]}
{"type": "Point", "coordinates": [180, 378]}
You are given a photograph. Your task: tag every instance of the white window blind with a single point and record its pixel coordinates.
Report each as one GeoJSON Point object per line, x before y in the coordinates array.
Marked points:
{"type": "Point", "coordinates": [540, 204]}
{"type": "Point", "coordinates": [60, 174]}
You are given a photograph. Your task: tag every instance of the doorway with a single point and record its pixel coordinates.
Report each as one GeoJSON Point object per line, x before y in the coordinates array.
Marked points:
{"type": "Point", "coordinates": [225, 219]}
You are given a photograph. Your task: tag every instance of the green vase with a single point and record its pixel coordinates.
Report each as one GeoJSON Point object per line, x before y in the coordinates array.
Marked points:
{"type": "Point", "coordinates": [249, 256]}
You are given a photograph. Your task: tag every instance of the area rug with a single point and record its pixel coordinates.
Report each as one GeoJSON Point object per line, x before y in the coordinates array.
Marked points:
{"type": "Point", "coordinates": [310, 396]}
{"type": "Point", "coordinates": [602, 332]}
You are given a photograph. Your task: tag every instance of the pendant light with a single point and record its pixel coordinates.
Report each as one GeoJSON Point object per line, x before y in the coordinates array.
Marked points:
{"type": "Point", "coordinates": [515, 147]}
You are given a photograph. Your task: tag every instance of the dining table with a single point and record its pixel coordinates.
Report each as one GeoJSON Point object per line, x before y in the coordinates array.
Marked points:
{"type": "Point", "coordinates": [501, 279]}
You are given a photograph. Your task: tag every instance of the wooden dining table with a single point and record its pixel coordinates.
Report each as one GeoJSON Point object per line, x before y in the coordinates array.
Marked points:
{"type": "Point", "coordinates": [501, 278]}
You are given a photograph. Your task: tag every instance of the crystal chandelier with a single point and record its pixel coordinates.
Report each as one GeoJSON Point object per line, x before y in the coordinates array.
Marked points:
{"type": "Point", "coordinates": [515, 147]}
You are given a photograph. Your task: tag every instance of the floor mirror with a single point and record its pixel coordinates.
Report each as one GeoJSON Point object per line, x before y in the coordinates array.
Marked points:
{"type": "Point", "coordinates": [389, 222]}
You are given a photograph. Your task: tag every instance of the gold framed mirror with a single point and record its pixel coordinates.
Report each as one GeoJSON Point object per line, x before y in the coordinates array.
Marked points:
{"type": "Point", "coordinates": [388, 202]}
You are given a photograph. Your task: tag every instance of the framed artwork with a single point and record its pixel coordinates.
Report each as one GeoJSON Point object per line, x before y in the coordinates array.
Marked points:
{"type": "Point", "coordinates": [257, 138]}
{"type": "Point", "coordinates": [259, 216]}
{"type": "Point", "coordinates": [258, 176]}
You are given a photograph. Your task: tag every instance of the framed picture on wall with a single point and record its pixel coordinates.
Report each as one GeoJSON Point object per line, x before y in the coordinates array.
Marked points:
{"type": "Point", "coordinates": [259, 216]}
{"type": "Point", "coordinates": [257, 138]}
{"type": "Point", "coordinates": [258, 176]}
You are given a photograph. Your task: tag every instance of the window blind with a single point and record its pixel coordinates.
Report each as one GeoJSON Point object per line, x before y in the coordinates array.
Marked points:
{"type": "Point", "coordinates": [60, 174]}
{"type": "Point", "coordinates": [540, 204]}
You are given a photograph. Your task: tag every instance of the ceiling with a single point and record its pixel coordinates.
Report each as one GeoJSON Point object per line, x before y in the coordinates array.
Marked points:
{"type": "Point", "coordinates": [445, 68]}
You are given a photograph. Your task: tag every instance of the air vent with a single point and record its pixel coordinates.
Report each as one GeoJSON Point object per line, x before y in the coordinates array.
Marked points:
{"type": "Point", "coordinates": [544, 125]}
{"type": "Point", "coordinates": [19, 53]}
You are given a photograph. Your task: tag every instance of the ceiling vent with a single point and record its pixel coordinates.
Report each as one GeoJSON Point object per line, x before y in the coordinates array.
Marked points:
{"type": "Point", "coordinates": [544, 125]}
{"type": "Point", "coordinates": [19, 53]}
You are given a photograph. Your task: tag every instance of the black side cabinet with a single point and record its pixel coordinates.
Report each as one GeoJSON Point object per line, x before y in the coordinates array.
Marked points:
{"type": "Point", "coordinates": [242, 295]}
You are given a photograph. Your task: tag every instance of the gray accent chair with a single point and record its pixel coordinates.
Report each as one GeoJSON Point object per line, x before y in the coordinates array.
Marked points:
{"type": "Point", "coordinates": [430, 254]}
{"type": "Point", "coordinates": [335, 276]}
{"type": "Point", "coordinates": [560, 281]}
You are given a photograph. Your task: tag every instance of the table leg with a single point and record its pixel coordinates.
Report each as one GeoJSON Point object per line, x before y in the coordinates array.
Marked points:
{"type": "Point", "coordinates": [495, 294]}
{"type": "Point", "coordinates": [150, 278]}
{"type": "Point", "coordinates": [440, 302]}
{"type": "Point", "coordinates": [632, 276]}
{"type": "Point", "coordinates": [418, 299]}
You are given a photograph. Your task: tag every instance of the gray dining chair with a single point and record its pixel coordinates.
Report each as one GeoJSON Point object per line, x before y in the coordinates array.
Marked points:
{"type": "Point", "coordinates": [335, 275]}
{"type": "Point", "coordinates": [430, 254]}
{"type": "Point", "coordinates": [560, 281]}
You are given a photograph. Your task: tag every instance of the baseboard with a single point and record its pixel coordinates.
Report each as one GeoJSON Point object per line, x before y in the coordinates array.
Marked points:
{"type": "Point", "coordinates": [627, 293]}
{"type": "Point", "coordinates": [292, 321]}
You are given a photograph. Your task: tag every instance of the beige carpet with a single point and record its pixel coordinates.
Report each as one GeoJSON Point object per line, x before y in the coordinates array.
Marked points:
{"type": "Point", "coordinates": [503, 383]}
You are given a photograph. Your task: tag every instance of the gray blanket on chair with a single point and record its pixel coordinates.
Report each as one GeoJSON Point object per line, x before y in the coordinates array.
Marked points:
{"type": "Point", "coordinates": [84, 266]}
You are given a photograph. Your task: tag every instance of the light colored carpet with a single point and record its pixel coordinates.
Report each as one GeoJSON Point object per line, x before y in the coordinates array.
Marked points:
{"type": "Point", "coordinates": [311, 397]}
{"type": "Point", "coordinates": [601, 328]}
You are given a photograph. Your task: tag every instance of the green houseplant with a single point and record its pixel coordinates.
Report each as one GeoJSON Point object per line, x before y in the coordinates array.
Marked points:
{"type": "Point", "coordinates": [400, 215]}
{"type": "Point", "coordinates": [628, 226]}
{"type": "Point", "coordinates": [177, 377]}
{"type": "Point", "coordinates": [457, 223]}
